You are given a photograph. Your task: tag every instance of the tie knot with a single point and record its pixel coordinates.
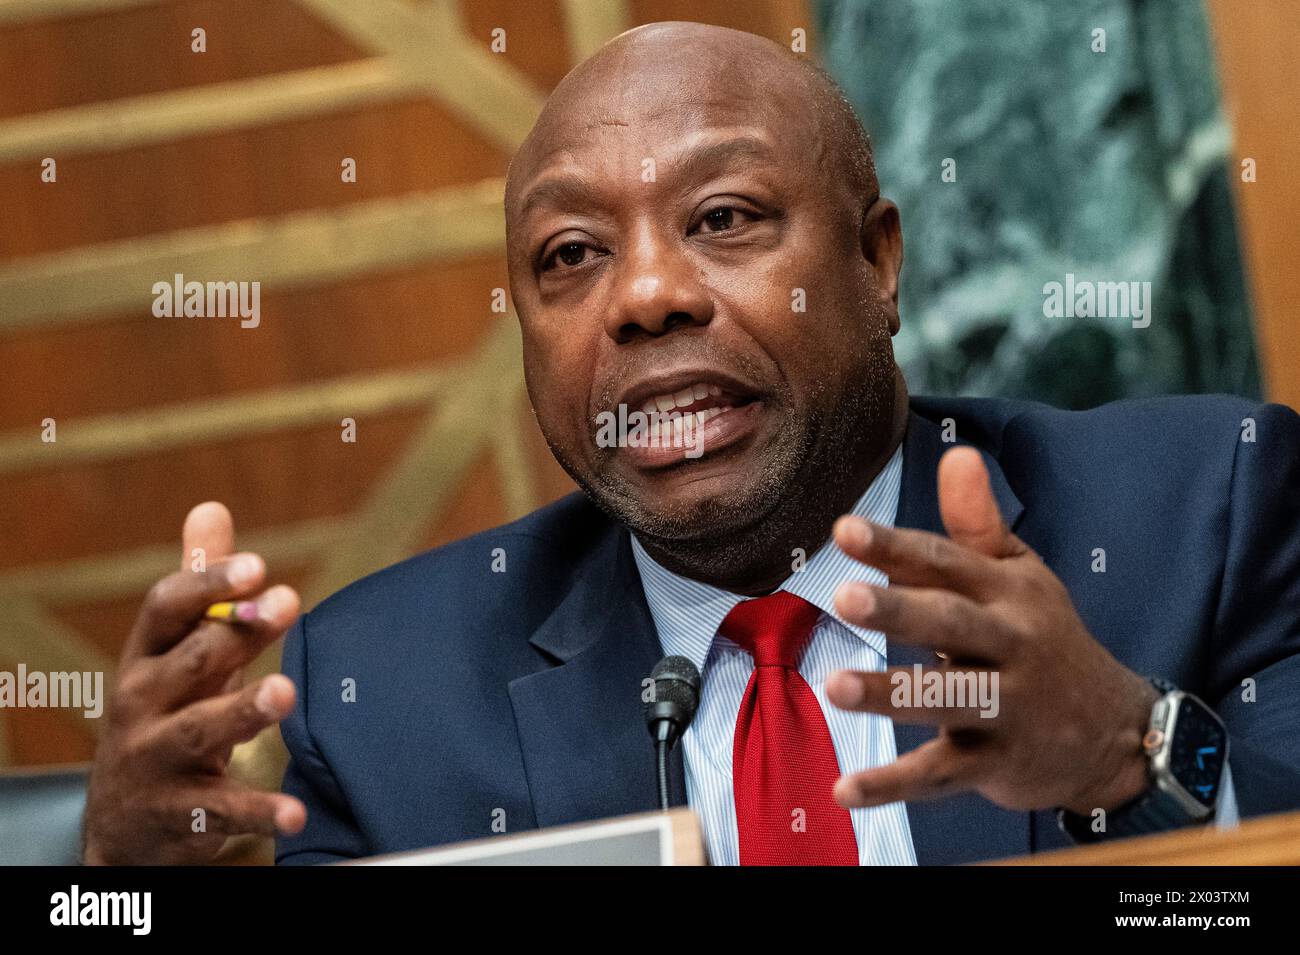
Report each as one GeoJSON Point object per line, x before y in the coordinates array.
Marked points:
{"type": "Point", "coordinates": [775, 629]}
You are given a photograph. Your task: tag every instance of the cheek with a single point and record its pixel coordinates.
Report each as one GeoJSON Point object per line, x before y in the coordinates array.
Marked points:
{"type": "Point", "coordinates": [799, 323]}
{"type": "Point", "coordinates": [769, 303]}
{"type": "Point", "coordinates": [558, 380]}
{"type": "Point", "coordinates": [838, 340]}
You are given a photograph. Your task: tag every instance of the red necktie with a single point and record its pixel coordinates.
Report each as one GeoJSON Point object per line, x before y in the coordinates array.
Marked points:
{"type": "Point", "coordinates": [783, 760]}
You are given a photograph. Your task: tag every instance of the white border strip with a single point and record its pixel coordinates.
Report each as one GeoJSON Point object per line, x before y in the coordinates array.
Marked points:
{"type": "Point", "coordinates": [530, 842]}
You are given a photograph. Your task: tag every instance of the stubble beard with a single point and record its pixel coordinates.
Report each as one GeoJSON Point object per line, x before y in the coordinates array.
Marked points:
{"type": "Point", "coordinates": [806, 482]}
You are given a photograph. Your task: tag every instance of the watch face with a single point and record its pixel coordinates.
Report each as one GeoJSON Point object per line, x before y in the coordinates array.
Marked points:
{"type": "Point", "coordinates": [1196, 755]}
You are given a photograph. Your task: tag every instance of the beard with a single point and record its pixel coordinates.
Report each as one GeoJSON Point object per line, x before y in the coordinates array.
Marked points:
{"type": "Point", "coordinates": [808, 476]}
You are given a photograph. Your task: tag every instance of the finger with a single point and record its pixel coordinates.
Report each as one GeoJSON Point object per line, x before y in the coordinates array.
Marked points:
{"type": "Point", "coordinates": [926, 617]}
{"type": "Point", "coordinates": [918, 558]}
{"type": "Point", "coordinates": [937, 768]}
{"type": "Point", "coordinates": [175, 604]}
{"type": "Point", "coordinates": [955, 698]}
{"type": "Point", "coordinates": [200, 736]}
{"type": "Point", "coordinates": [233, 810]}
{"type": "Point", "coordinates": [204, 662]}
{"type": "Point", "coordinates": [210, 530]}
{"type": "Point", "coordinates": [969, 510]}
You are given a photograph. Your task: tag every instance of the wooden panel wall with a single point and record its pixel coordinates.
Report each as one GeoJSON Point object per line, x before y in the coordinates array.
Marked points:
{"type": "Point", "coordinates": [376, 295]}
{"type": "Point", "coordinates": [1260, 73]}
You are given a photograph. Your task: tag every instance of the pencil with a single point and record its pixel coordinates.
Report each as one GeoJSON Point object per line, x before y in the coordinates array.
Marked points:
{"type": "Point", "coordinates": [243, 611]}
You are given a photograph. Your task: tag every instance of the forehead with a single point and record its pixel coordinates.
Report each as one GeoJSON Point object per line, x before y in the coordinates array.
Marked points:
{"type": "Point", "coordinates": [592, 147]}
{"type": "Point", "coordinates": [575, 176]}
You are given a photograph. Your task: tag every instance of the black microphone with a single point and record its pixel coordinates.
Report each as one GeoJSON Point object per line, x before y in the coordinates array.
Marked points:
{"type": "Point", "coordinates": [670, 709]}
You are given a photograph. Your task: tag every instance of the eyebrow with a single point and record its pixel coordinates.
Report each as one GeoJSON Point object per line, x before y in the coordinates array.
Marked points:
{"type": "Point", "coordinates": [720, 152]}
{"type": "Point", "coordinates": [564, 190]}
{"type": "Point", "coordinates": [572, 189]}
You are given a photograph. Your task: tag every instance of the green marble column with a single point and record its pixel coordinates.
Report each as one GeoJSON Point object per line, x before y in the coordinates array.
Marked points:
{"type": "Point", "coordinates": [1108, 166]}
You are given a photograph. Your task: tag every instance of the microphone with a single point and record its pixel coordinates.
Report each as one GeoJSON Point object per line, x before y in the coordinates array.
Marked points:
{"type": "Point", "coordinates": [670, 709]}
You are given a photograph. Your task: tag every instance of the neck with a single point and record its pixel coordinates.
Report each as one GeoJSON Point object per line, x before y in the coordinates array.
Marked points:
{"type": "Point", "coordinates": [802, 527]}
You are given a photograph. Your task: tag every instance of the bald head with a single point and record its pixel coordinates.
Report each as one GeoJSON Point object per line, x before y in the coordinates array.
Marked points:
{"type": "Point", "coordinates": [681, 65]}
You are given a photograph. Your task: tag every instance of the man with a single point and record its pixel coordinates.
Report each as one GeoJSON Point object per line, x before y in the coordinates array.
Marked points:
{"type": "Point", "coordinates": [681, 191]}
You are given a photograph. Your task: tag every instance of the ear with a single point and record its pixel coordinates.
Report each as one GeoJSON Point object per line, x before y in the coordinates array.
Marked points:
{"type": "Point", "coordinates": [882, 246]}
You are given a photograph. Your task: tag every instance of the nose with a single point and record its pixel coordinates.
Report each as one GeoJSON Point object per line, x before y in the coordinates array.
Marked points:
{"type": "Point", "coordinates": [657, 290]}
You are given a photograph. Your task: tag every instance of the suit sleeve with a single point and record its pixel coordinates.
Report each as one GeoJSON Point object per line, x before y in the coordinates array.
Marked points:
{"type": "Point", "coordinates": [1255, 678]}
{"type": "Point", "coordinates": [331, 834]}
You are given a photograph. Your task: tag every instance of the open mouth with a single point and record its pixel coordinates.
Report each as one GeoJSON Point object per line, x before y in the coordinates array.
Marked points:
{"type": "Point", "coordinates": [700, 400]}
{"type": "Point", "coordinates": [690, 415]}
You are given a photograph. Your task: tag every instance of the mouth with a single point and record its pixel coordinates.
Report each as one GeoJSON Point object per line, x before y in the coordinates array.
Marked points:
{"type": "Point", "coordinates": [694, 413]}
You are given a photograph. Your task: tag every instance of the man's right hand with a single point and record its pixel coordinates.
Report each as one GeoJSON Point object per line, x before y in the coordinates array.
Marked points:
{"type": "Point", "coordinates": [179, 707]}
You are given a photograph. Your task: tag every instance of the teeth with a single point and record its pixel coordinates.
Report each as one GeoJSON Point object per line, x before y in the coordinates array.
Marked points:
{"type": "Point", "coordinates": [680, 399]}
{"type": "Point", "coordinates": [671, 430]}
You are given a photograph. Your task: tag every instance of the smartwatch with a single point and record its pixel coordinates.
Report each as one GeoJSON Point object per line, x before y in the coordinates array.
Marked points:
{"type": "Point", "coordinates": [1186, 746]}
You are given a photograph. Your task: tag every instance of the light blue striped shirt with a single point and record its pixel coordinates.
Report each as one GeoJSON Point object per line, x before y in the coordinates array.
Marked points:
{"type": "Point", "coordinates": [687, 615]}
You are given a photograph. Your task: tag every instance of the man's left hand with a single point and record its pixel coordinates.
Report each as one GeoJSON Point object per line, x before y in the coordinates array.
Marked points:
{"type": "Point", "coordinates": [1070, 718]}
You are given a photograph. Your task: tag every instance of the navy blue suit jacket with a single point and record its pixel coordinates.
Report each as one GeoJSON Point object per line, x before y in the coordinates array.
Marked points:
{"type": "Point", "coordinates": [515, 697]}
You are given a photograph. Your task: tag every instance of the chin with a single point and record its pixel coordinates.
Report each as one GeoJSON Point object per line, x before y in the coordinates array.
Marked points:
{"type": "Point", "coordinates": [733, 488]}
{"type": "Point", "coordinates": [694, 505]}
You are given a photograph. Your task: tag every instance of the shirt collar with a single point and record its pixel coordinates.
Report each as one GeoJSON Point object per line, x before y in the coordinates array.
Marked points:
{"type": "Point", "coordinates": [687, 613]}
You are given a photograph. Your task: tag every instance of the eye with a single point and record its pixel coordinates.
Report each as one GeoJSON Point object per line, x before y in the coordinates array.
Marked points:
{"type": "Point", "coordinates": [723, 218]}
{"type": "Point", "coordinates": [568, 255]}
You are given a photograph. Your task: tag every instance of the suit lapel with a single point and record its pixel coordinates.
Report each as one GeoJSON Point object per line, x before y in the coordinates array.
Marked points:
{"type": "Point", "coordinates": [967, 827]}
{"type": "Point", "coordinates": [587, 752]}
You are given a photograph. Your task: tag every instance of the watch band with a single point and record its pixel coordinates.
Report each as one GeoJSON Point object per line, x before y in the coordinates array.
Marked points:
{"type": "Point", "coordinates": [1151, 811]}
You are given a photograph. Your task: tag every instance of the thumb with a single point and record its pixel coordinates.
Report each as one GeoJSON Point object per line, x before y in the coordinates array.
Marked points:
{"type": "Point", "coordinates": [209, 527]}
{"type": "Point", "coordinates": [970, 512]}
